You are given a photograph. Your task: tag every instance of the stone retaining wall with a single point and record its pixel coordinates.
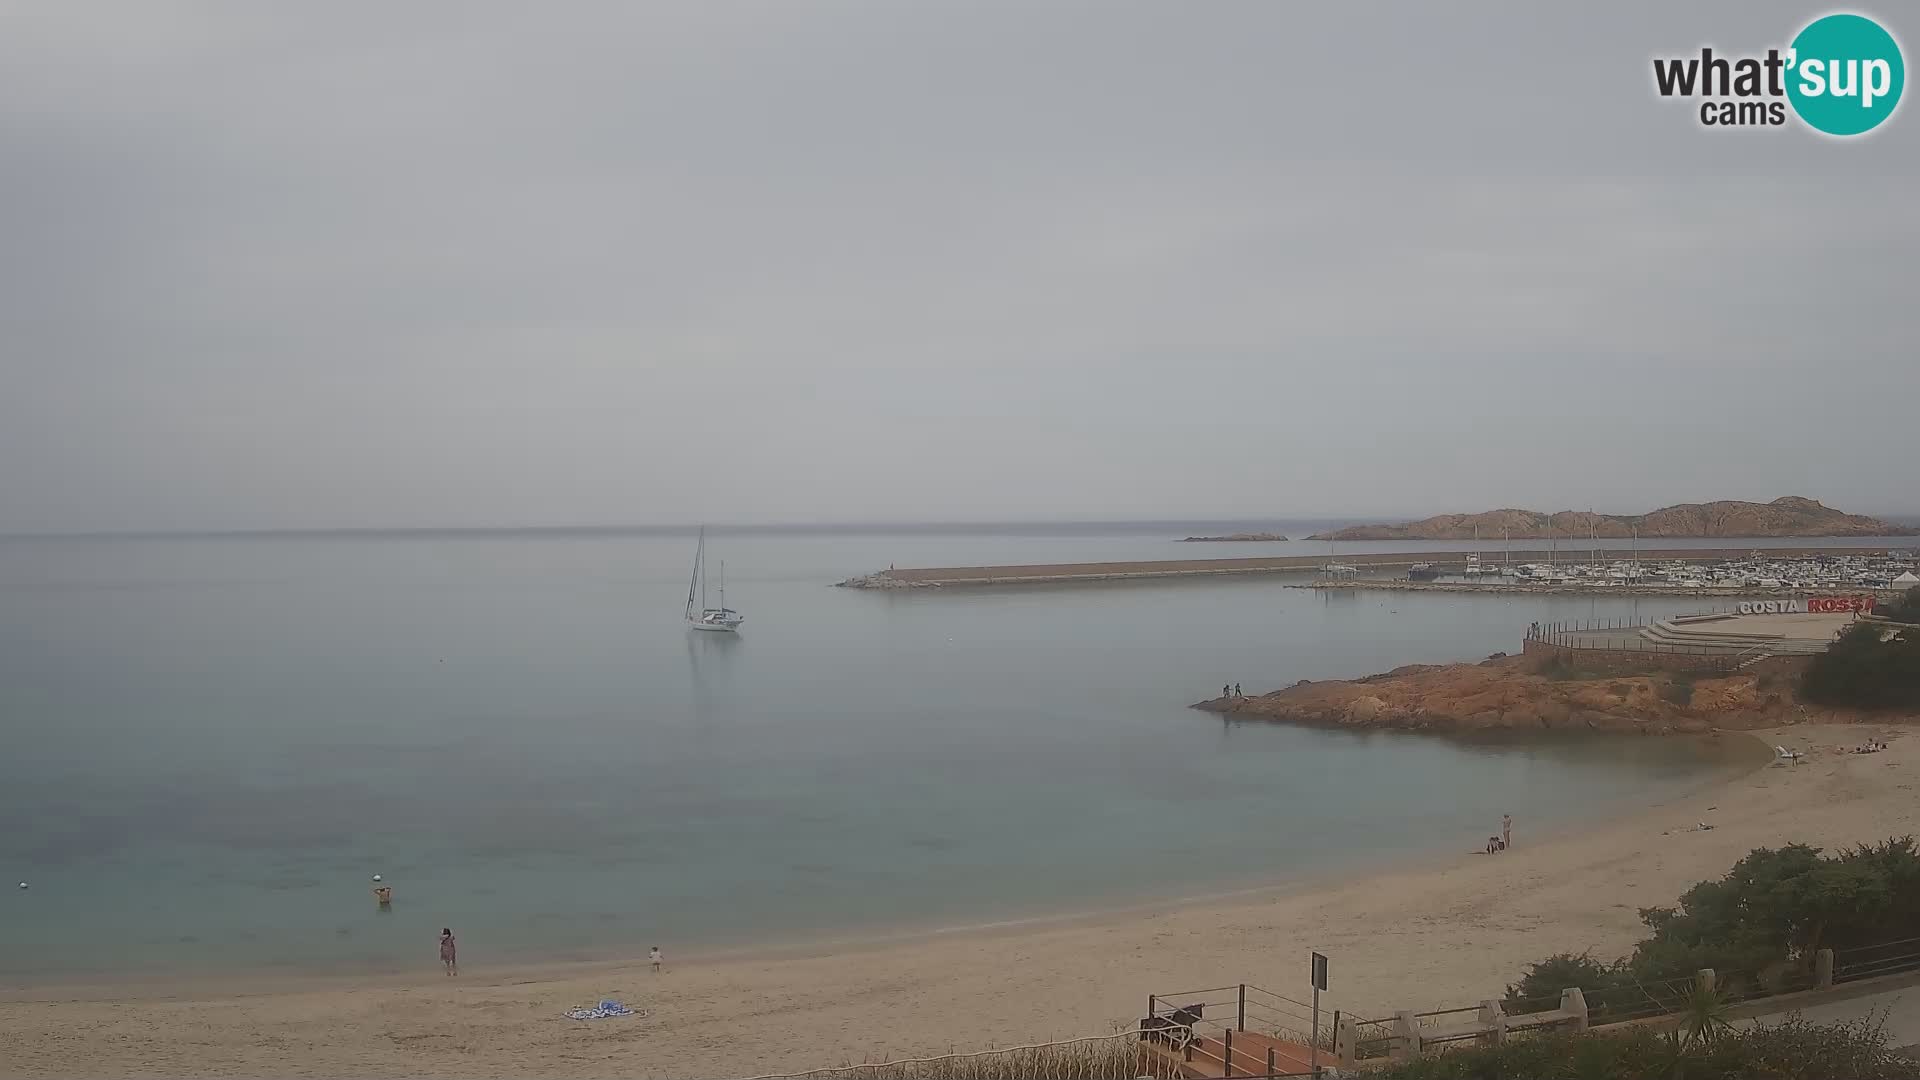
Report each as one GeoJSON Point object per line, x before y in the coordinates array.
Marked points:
{"type": "Point", "coordinates": [1602, 661]}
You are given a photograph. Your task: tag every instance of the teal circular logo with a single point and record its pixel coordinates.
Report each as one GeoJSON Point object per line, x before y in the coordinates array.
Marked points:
{"type": "Point", "coordinates": [1845, 74]}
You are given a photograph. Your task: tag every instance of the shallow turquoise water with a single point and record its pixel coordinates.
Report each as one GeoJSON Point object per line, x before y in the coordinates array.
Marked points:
{"type": "Point", "coordinates": [211, 744]}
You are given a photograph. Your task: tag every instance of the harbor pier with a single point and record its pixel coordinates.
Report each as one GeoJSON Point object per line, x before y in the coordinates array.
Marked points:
{"type": "Point", "coordinates": [1352, 565]}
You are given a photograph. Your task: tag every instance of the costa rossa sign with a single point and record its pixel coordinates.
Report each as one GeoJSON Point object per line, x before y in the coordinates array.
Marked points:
{"type": "Point", "coordinates": [1815, 604]}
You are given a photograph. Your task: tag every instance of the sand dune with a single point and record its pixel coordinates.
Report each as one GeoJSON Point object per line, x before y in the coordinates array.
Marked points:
{"type": "Point", "coordinates": [1445, 933]}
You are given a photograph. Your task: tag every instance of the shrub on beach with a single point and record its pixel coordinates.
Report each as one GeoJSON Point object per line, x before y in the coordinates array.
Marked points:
{"type": "Point", "coordinates": [1907, 608]}
{"type": "Point", "coordinates": [1793, 1048]}
{"type": "Point", "coordinates": [1767, 916]}
{"type": "Point", "coordinates": [1607, 987]}
{"type": "Point", "coordinates": [1871, 666]}
{"type": "Point", "coordinates": [1783, 905]}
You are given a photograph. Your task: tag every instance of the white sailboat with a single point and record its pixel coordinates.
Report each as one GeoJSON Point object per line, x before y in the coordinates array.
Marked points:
{"type": "Point", "coordinates": [1334, 569]}
{"type": "Point", "coordinates": [722, 619]}
{"type": "Point", "coordinates": [1474, 569]}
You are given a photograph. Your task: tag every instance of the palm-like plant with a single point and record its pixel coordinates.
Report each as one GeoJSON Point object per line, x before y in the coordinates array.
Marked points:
{"type": "Point", "coordinates": [1704, 1015]}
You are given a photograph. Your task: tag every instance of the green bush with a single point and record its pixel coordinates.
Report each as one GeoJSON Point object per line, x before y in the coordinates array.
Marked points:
{"type": "Point", "coordinates": [1906, 609]}
{"type": "Point", "coordinates": [1856, 1050]}
{"type": "Point", "coordinates": [1780, 906]}
{"type": "Point", "coordinates": [1871, 666]}
{"type": "Point", "coordinates": [1897, 864]}
{"type": "Point", "coordinates": [1759, 926]}
{"type": "Point", "coordinates": [1610, 989]}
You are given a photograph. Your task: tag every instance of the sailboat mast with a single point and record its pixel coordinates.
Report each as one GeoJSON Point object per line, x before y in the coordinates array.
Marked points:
{"type": "Point", "coordinates": [694, 581]}
{"type": "Point", "coordinates": [723, 584]}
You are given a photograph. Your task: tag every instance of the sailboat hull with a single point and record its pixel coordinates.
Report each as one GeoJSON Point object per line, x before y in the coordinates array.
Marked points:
{"type": "Point", "coordinates": [716, 627]}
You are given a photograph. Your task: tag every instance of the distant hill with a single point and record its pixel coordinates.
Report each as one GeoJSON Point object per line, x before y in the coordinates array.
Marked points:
{"type": "Point", "coordinates": [1790, 516]}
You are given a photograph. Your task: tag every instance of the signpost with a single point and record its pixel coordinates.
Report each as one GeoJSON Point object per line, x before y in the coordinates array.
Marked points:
{"type": "Point", "coordinates": [1319, 984]}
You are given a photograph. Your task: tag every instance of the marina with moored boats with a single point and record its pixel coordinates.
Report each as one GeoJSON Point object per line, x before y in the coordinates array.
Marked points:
{"type": "Point", "coordinates": [1684, 571]}
{"type": "Point", "coordinates": [1763, 571]}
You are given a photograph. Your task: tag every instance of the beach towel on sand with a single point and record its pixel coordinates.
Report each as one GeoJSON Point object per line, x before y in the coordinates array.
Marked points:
{"type": "Point", "coordinates": [602, 1011]}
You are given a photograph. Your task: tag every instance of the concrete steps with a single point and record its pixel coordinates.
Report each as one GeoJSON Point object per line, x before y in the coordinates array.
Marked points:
{"type": "Point", "coordinates": [1715, 639]}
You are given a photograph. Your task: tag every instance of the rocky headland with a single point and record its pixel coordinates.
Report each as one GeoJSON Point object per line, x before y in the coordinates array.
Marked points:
{"type": "Point", "coordinates": [1507, 693]}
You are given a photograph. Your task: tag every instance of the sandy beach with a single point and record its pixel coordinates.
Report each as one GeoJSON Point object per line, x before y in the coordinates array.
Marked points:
{"type": "Point", "coordinates": [1447, 932]}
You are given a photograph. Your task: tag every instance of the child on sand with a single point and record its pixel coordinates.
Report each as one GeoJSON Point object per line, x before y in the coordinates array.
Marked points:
{"type": "Point", "coordinates": [448, 956]}
{"type": "Point", "coordinates": [654, 956]}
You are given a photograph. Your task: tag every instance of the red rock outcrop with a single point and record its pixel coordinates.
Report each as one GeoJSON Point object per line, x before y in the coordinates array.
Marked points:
{"type": "Point", "coordinates": [1505, 694]}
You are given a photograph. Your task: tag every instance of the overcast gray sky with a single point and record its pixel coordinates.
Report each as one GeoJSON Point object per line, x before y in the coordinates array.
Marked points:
{"type": "Point", "coordinates": [371, 264]}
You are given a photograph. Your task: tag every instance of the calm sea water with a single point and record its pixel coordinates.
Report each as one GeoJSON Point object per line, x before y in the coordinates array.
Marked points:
{"type": "Point", "coordinates": [211, 744]}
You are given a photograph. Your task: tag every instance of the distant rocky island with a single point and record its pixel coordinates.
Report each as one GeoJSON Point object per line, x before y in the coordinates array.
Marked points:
{"type": "Point", "coordinates": [1235, 538]}
{"type": "Point", "coordinates": [1789, 516]}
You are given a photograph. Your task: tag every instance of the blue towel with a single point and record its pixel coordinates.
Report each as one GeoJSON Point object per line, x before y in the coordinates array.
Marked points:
{"type": "Point", "coordinates": [602, 1011]}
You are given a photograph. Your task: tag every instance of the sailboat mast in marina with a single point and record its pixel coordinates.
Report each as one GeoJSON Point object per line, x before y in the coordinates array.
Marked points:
{"type": "Point", "coordinates": [722, 619]}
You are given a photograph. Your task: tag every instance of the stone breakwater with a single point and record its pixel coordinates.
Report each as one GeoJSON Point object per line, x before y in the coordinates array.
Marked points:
{"type": "Point", "coordinates": [1063, 575]}
{"type": "Point", "coordinates": [1370, 562]}
{"type": "Point", "coordinates": [881, 580]}
{"type": "Point", "coordinates": [1598, 589]}
{"type": "Point", "coordinates": [1237, 538]}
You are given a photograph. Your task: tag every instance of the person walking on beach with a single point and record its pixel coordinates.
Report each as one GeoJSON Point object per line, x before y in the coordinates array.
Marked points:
{"type": "Point", "coordinates": [448, 954]}
{"type": "Point", "coordinates": [1506, 830]}
{"type": "Point", "coordinates": [654, 958]}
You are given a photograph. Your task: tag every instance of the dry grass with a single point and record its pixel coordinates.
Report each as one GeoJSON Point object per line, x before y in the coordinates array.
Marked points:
{"type": "Point", "coordinates": [1098, 1058]}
